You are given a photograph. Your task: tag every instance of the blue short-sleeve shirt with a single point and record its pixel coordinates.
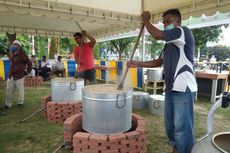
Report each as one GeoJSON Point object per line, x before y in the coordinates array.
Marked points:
{"type": "Point", "coordinates": [177, 57]}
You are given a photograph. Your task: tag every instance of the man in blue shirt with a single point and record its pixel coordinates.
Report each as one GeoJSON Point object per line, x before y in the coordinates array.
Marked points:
{"type": "Point", "coordinates": [180, 82]}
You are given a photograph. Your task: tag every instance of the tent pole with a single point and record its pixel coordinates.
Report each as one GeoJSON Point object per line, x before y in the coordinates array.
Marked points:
{"type": "Point", "coordinates": [143, 43]}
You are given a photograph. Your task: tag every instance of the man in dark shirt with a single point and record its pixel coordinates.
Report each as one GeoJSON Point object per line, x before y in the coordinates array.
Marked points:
{"type": "Point", "coordinates": [20, 65]}
{"type": "Point", "coordinates": [179, 76]}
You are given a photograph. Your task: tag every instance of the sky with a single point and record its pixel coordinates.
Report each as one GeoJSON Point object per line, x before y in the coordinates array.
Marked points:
{"type": "Point", "coordinates": [224, 38]}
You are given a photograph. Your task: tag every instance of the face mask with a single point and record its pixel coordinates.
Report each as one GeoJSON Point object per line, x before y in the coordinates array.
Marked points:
{"type": "Point", "coordinates": [14, 49]}
{"type": "Point", "coordinates": [169, 27]}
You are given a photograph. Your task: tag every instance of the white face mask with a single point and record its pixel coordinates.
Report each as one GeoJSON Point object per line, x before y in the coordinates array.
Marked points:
{"type": "Point", "coordinates": [169, 27]}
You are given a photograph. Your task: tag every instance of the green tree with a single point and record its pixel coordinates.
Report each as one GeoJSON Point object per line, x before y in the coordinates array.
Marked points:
{"type": "Point", "coordinates": [54, 46]}
{"type": "Point", "coordinates": [121, 46]}
{"type": "Point", "coordinates": [221, 52]}
{"type": "Point", "coordinates": [96, 51]}
{"type": "Point", "coordinates": [40, 46]}
{"type": "Point", "coordinates": [103, 48]}
{"type": "Point", "coordinates": [26, 41]}
{"type": "Point", "coordinates": [66, 45]}
{"type": "Point", "coordinates": [206, 34]}
{"type": "Point", "coordinates": [7, 39]}
{"type": "Point", "coordinates": [4, 44]}
{"type": "Point", "coordinates": [153, 46]}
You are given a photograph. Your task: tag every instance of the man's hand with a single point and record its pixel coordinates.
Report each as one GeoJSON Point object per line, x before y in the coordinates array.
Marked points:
{"type": "Point", "coordinates": [92, 40]}
{"type": "Point", "coordinates": [146, 16]}
{"type": "Point", "coordinates": [132, 64]}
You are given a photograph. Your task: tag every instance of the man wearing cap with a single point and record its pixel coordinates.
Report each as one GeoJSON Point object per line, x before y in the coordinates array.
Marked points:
{"type": "Point", "coordinates": [20, 65]}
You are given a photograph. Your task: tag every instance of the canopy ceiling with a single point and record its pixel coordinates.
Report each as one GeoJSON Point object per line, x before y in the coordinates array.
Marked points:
{"type": "Point", "coordinates": [99, 17]}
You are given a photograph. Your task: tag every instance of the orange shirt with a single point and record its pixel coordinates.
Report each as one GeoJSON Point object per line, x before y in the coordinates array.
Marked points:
{"type": "Point", "coordinates": [85, 54]}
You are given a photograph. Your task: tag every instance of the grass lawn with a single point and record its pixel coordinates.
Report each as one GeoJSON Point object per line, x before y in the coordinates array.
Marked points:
{"type": "Point", "coordinates": [37, 135]}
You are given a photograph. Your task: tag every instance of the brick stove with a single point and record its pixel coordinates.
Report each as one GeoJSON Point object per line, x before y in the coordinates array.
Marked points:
{"type": "Point", "coordinates": [33, 81]}
{"type": "Point", "coordinates": [132, 141]}
{"type": "Point", "coordinates": [58, 112]}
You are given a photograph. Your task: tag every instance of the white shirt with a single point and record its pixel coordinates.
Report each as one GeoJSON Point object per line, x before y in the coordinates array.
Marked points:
{"type": "Point", "coordinates": [60, 65]}
{"type": "Point", "coordinates": [43, 64]}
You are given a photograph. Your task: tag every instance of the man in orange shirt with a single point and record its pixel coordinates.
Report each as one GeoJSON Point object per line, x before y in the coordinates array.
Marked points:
{"type": "Point", "coordinates": [84, 58]}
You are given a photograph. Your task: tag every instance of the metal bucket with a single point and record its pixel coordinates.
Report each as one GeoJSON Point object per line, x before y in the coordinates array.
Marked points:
{"type": "Point", "coordinates": [155, 74]}
{"type": "Point", "coordinates": [66, 89]}
{"type": "Point", "coordinates": [106, 110]}
{"type": "Point", "coordinates": [218, 143]}
{"type": "Point", "coordinates": [140, 100]}
{"type": "Point", "coordinates": [157, 104]}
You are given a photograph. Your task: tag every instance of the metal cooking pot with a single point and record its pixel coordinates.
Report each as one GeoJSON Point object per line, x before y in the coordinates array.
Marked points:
{"type": "Point", "coordinates": [140, 100]}
{"type": "Point", "coordinates": [157, 105]}
{"type": "Point", "coordinates": [66, 89]}
{"type": "Point", "coordinates": [214, 143]}
{"type": "Point", "coordinates": [106, 110]}
{"type": "Point", "coordinates": [155, 74]}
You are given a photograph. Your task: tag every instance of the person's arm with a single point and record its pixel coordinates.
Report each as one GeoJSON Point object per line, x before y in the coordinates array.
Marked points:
{"type": "Point", "coordinates": [154, 32]}
{"type": "Point", "coordinates": [149, 64]}
{"type": "Point", "coordinates": [76, 56]}
{"type": "Point", "coordinates": [92, 40]}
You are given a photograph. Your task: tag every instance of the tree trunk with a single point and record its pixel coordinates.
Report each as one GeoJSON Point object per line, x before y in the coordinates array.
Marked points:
{"type": "Point", "coordinates": [120, 57]}
{"type": "Point", "coordinates": [198, 54]}
{"type": "Point", "coordinates": [11, 37]}
{"type": "Point", "coordinates": [55, 46]}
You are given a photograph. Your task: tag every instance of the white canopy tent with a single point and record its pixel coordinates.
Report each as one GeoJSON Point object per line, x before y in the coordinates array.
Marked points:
{"type": "Point", "coordinates": [99, 17]}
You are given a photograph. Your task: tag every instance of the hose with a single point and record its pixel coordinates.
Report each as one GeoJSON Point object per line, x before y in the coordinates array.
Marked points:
{"type": "Point", "coordinates": [23, 120]}
{"type": "Point", "coordinates": [64, 145]}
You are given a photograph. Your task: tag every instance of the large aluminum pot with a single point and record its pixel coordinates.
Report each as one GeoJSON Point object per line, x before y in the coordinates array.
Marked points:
{"type": "Point", "coordinates": [140, 100]}
{"type": "Point", "coordinates": [218, 143]}
{"type": "Point", "coordinates": [106, 110]}
{"type": "Point", "coordinates": [157, 104]}
{"type": "Point", "coordinates": [66, 89]}
{"type": "Point", "coordinates": [155, 74]}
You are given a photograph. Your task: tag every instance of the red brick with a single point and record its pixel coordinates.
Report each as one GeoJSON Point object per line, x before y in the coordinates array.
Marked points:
{"type": "Point", "coordinates": [136, 116]}
{"type": "Point", "coordinates": [141, 122]}
{"type": "Point", "coordinates": [111, 151]}
{"type": "Point", "coordinates": [89, 151]}
{"type": "Point", "coordinates": [81, 136]}
{"type": "Point", "coordinates": [117, 137]}
{"type": "Point", "coordinates": [132, 135]}
{"type": "Point", "coordinates": [94, 144]}
{"type": "Point", "coordinates": [117, 146]}
{"type": "Point", "coordinates": [127, 150]}
{"type": "Point", "coordinates": [141, 129]}
{"type": "Point", "coordinates": [130, 142]}
{"type": "Point", "coordinates": [98, 138]}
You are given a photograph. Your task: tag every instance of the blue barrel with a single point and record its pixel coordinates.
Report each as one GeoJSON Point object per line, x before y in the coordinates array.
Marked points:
{"type": "Point", "coordinates": [140, 77]}
{"type": "Point", "coordinates": [39, 62]}
{"type": "Point", "coordinates": [71, 68]}
{"type": "Point", "coordinates": [119, 68]}
{"type": "Point", "coordinates": [103, 72]}
{"type": "Point", "coordinates": [6, 68]}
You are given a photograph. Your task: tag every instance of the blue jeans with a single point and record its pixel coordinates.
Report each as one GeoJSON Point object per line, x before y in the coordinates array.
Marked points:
{"type": "Point", "coordinates": [179, 120]}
